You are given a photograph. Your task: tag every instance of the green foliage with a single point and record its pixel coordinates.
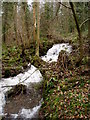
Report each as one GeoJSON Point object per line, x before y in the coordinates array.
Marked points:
{"type": "Point", "coordinates": [65, 97]}
{"type": "Point", "coordinates": [85, 60]}
{"type": "Point", "coordinates": [12, 61]}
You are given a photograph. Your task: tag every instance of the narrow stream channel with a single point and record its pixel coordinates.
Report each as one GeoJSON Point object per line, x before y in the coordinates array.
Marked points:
{"type": "Point", "coordinates": [27, 106]}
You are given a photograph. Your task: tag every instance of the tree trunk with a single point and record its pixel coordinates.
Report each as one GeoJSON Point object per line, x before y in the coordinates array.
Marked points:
{"type": "Point", "coordinates": [34, 22]}
{"type": "Point", "coordinates": [15, 22]}
{"type": "Point", "coordinates": [38, 30]}
{"type": "Point", "coordinates": [25, 8]}
{"type": "Point", "coordinates": [5, 9]}
{"type": "Point", "coordinates": [79, 34]}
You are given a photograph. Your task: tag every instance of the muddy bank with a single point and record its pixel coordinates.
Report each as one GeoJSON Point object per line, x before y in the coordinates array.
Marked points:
{"type": "Point", "coordinates": [28, 101]}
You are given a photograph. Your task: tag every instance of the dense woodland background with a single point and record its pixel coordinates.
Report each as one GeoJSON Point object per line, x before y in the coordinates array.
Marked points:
{"type": "Point", "coordinates": [56, 20]}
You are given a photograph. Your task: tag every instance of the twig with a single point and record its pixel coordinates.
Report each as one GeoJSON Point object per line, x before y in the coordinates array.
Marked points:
{"type": "Point", "coordinates": [84, 22]}
{"type": "Point", "coordinates": [27, 77]}
{"type": "Point", "coordinates": [64, 5]}
{"type": "Point", "coordinates": [58, 7]}
{"type": "Point", "coordinates": [8, 86]}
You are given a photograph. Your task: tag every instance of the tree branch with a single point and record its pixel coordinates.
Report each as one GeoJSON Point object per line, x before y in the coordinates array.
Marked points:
{"type": "Point", "coordinates": [8, 86]}
{"type": "Point", "coordinates": [57, 10]}
{"type": "Point", "coordinates": [56, 14]}
{"type": "Point", "coordinates": [64, 5]}
{"type": "Point", "coordinates": [58, 7]}
{"type": "Point", "coordinates": [84, 22]}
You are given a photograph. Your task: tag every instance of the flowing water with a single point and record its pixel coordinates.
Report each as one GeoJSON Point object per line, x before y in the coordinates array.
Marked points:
{"type": "Point", "coordinates": [27, 106]}
{"type": "Point", "coordinates": [52, 53]}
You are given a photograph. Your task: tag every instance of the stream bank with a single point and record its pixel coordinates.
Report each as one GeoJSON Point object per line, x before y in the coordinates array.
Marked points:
{"type": "Point", "coordinates": [66, 88]}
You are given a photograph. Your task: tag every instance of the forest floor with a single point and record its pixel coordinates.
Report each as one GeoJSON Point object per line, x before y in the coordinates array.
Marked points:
{"type": "Point", "coordinates": [65, 89]}
{"type": "Point", "coordinates": [66, 93]}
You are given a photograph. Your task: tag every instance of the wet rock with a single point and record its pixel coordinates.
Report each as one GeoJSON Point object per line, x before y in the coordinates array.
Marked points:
{"type": "Point", "coordinates": [16, 90]}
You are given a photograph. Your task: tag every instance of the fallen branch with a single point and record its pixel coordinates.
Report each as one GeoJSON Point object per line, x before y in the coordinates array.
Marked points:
{"type": "Point", "coordinates": [8, 86]}
{"type": "Point", "coordinates": [28, 77]}
{"type": "Point", "coordinates": [20, 82]}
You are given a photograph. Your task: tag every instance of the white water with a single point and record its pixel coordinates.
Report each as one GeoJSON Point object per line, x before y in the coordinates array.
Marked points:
{"type": "Point", "coordinates": [28, 113]}
{"type": "Point", "coordinates": [53, 53]}
{"type": "Point", "coordinates": [33, 75]}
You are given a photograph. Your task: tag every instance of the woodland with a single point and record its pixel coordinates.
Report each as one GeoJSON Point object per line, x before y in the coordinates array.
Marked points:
{"type": "Point", "coordinates": [34, 35]}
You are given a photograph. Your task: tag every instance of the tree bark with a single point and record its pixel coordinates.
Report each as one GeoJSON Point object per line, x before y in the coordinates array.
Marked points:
{"type": "Point", "coordinates": [25, 8]}
{"type": "Point", "coordinates": [79, 34]}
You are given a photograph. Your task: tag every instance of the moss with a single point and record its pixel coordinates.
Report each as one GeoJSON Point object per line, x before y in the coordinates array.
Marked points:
{"type": "Point", "coordinates": [37, 61]}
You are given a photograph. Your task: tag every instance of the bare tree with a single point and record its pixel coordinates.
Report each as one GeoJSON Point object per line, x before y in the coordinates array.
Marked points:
{"type": "Point", "coordinates": [79, 34]}
{"type": "Point", "coordinates": [25, 9]}
{"type": "Point", "coordinates": [38, 30]}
